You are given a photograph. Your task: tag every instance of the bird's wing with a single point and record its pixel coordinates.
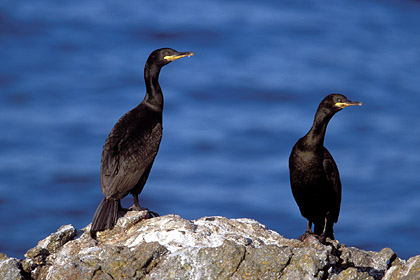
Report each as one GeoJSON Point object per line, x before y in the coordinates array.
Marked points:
{"type": "Point", "coordinates": [124, 162]}
{"type": "Point", "coordinates": [333, 178]}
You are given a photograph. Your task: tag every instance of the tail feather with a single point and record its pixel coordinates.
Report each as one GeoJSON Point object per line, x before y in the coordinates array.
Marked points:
{"type": "Point", "coordinates": [105, 216]}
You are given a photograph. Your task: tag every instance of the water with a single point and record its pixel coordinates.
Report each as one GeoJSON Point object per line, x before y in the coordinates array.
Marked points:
{"type": "Point", "coordinates": [69, 70]}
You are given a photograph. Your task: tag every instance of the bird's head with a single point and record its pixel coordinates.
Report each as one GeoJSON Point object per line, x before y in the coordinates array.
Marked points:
{"type": "Point", "coordinates": [335, 102]}
{"type": "Point", "coordinates": [161, 57]}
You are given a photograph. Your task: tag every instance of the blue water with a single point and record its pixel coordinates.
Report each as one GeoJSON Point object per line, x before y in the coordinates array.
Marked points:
{"type": "Point", "coordinates": [70, 69]}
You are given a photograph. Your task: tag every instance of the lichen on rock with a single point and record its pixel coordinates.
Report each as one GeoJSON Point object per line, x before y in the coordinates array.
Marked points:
{"type": "Point", "coordinates": [170, 247]}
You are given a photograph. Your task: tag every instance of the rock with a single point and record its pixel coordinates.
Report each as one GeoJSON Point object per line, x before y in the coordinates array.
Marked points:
{"type": "Point", "coordinates": [409, 270]}
{"type": "Point", "coordinates": [10, 268]}
{"type": "Point", "coordinates": [51, 244]}
{"type": "Point", "coordinates": [171, 247]}
{"type": "Point", "coordinates": [264, 264]}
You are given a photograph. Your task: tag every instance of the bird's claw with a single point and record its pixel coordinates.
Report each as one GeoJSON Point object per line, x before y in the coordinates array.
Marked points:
{"type": "Point", "coordinates": [138, 208]}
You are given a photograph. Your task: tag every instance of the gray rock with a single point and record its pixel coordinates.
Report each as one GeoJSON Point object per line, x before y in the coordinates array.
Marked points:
{"type": "Point", "coordinates": [204, 263]}
{"type": "Point", "coordinates": [404, 270]}
{"type": "Point", "coordinates": [51, 244]}
{"type": "Point", "coordinates": [352, 273]}
{"type": "Point", "coordinates": [10, 268]}
{"type": "Point", "coordinates": [171, 247]}
{"type": "Point", "coordinates": [374, 263]}
{"type": "Point", "coordinates": [266, 262]}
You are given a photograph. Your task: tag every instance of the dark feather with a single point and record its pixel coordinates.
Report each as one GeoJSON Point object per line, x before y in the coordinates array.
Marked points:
{"type": "Point", "coordinates": [125, 158]}
{"type": "Point", "coordinates": [132, 144]}
{"type": "Point", "coordinates": [314, 176]}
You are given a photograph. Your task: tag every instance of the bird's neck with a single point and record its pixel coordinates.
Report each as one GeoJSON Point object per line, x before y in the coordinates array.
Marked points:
{"type": "Point", "coordinates": [316, 134]}
{"type": "Point", "coordinates": [154, 96]}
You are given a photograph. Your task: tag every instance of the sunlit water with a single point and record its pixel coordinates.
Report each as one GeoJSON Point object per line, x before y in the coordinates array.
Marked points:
{"type": "Point", "coordinates": [70, 69]}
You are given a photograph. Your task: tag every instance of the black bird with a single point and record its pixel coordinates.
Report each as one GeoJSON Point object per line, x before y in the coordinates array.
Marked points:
{"type": "Point", "coordinates": [132, 145]}
{"type": "Point", "coordinates": [314, 176]}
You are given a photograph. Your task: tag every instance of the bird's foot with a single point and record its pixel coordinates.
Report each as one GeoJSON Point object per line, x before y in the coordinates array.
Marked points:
{"type": "Point", "coordinates": [321, 238]}
{"type": "Point", "coordinates": [138, 208]}
{"type": "Point", "coordinates": [305, 235]}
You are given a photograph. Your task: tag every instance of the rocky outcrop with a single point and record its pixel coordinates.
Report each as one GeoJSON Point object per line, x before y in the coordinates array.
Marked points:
{"type": "Point", "coordinates": [171, 247]}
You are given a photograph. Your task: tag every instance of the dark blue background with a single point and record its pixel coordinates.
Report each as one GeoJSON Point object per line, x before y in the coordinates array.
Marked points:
{"type": "Point", "coordinates": [70, 69]}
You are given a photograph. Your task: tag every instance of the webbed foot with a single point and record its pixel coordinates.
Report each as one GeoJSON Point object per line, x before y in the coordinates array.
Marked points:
{"type": "Point", "coordinates": [138, 208]}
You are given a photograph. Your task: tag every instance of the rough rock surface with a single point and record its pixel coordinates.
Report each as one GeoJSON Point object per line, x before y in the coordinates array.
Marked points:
{"type": "Point", "coordinates": [171, 247]}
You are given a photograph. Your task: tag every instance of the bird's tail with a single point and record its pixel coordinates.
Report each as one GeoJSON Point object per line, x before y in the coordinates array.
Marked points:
{"type": "Point", "coordinates": [105, 216]}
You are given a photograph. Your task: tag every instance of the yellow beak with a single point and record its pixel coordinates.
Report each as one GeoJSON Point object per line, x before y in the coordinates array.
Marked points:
{"type": "Point", "coordinates": [178, 56]}
{"type": "Point", "coordinates": [347, 104]}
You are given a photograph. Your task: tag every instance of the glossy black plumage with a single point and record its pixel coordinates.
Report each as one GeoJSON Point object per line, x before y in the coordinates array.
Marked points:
{"type": "Point", "coordinates": [132, 145]}
{"type": "Point", "coordinates": [314, 176]}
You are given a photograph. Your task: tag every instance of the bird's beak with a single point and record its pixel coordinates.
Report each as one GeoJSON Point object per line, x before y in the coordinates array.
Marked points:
{"type": "Point", "coordinates": [347, 104]}
{"type": "Point", "coordinates": [178, 56]}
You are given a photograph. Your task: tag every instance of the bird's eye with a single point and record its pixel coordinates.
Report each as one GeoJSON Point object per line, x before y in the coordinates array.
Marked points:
{"type": "Point", "coordinates": [339, 100]}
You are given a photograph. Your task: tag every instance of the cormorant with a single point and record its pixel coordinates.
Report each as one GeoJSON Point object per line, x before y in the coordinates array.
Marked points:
{"type": "Point", "coordinates": [132, 145]}
{"type": "Point", "coordinates": [314, 176]}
